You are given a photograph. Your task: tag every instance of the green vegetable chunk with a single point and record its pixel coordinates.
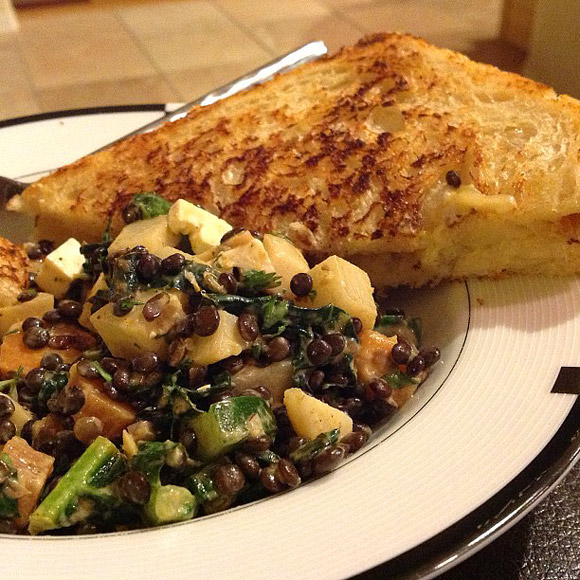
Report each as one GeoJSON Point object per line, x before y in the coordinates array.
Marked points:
{"type": "Point", "coordinates": [230, 422]}
{"type": "Point", "coordinates": [84, 492]}
{"type": "Point", "coordinates": [167, 503]}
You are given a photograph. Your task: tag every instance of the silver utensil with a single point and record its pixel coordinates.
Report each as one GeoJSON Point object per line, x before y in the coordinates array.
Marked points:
{"type": "Point", "coordinates": [308, 52]}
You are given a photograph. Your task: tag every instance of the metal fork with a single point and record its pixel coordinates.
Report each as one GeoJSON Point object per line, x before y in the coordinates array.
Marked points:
{"type": "Point", "coordinates": [308, 52]}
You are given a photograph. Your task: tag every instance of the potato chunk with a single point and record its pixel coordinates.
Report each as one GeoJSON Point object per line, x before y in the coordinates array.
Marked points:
{"type": "Point", "coordinates": [130, 335]}
{"type": "Point", "coordinates": [153, 233]}
{"type": "Point", "coordinates": [345, 285]}
{"type": "Point", "coordinates": [10, 315]}
{"type": "Point", "coordinates": [226, 341]}
{"type": "Point", "coordinates": [287, 260]}
{"type": "Point", "coordinates": [310, 417]}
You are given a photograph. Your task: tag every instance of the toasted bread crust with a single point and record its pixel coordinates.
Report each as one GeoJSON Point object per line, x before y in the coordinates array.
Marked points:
{"type": "Point", "coordinates": [347, 155]}
{"type": "Point", "coordinates": [14, 265]}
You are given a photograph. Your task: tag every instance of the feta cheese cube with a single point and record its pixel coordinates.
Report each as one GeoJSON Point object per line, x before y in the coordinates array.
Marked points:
{"type": "Point", "coordinates": [60, 268]}
{"type": "Point", "coordinates": [204, 229]}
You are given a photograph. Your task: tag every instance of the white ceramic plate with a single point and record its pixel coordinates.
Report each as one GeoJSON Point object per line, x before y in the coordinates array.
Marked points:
{"type": "Point", "coordinates": [483, 440]}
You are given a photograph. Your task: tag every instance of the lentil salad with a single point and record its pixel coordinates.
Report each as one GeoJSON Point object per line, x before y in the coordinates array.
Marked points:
{"type": "Point", "coordinates": [185, 367]}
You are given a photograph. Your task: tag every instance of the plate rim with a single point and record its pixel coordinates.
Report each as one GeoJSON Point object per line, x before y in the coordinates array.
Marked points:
{"type": "Point", "coordinates": [485, 522]}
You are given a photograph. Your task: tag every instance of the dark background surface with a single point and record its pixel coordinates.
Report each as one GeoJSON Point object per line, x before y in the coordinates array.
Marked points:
{"type": "Point", "coordinates": [543, 545]}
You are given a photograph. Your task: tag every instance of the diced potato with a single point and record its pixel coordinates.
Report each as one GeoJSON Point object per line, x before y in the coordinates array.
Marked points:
{"type": "Point", "coordinates": [114, 415]}
{"type": "Point", "coordinates": [205, 230]}
{"type": "Point", "coordinates": [60, 268]}
{"type": "Point", "coordinates": [129, 446]}
{"type": "Point", "coordinates": [243, 251]}
{"type": "Point", "coordinates": [345, 285]}
{"type": "Point", "coordinates": [33, 469]}
{"type": "Point", "coordinates": [153, 233]}
{"type": "Point", "coordinates": [373, 359]}
{"type": "Point", "coordinates": [276, 377]}
{"type": "Point", "coordinates": [20, 416]}
{"type": "Point", "coordinates": [310, 417]}
{"type": "Point", "coordinates": [129, 335]}
{"type": "Point", "coordinates": [286, 259]}
{"type": "Point", "coordinates": [226, 341]}
{"type": "Point", "coordinates": [85, 317]}
{"type": "Point", "coordinates": [10, 315]}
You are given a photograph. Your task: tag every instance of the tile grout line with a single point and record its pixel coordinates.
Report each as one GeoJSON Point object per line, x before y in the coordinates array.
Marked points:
{"type": "Point", "coordinates": [245, 29]}
{"type": "Point", "coordinates": [137, 42]}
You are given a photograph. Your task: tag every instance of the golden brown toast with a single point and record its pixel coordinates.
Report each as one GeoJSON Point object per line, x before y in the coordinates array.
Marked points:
{"type": "Point", "coordinates": [349, 155]}
{"type": "Point", "coordinates": [14, 265]}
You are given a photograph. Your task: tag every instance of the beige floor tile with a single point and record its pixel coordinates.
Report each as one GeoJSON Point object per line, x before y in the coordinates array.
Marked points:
{"type": "Point", "coordinates": [153, 89]}
{"type": "Point", "coordinates": [194, 82]}
{"type": "Point", "coordinates": [250, 13]}
{"type": "Point", "coordinates": [282, 36]}
{"type": "Point", "coordinates": [16, 95]}
{"type": "Point", "coordinates": [17, 103]}
{"type": "Point", "coordinates": [66, 46]}
{"type": "Point", "coordinates": [186, 34]}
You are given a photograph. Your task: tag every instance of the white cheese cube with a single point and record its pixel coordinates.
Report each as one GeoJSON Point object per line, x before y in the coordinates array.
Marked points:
{"type": "Point", "coordinates": [204, 229]}
{"type": "Point", "coordinates": [60, 268]}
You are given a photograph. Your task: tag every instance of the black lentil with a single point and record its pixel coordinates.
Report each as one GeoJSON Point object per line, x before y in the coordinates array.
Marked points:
{"type": "Point", "coordinates": [130, 213]}
{"type": "Point", "coordinates": [7, 430]}
{"type": "Point", "coordinates": [32, 322]}
{"type": "Point", "coordinates": [354, 441]}
{"type": "Point", "coordinates": [269, 479]}
{"type": "Point", "coordinates": [154, 306]}
{"type": "Point", "coordinates": [301, 284]}
{"type": "Point", "coordinates": [328, 459]}
{"type": "Point", "coordinates": [52, 316]}
{"type": "Point", "coordinates": [431, 355]}
{"type": "Point", "coordinates": [248, 326]}
{"type": "Point", "coordinates": [86, 369]}
{"type": "Point", "coordinates": [316, 380]}
{"type": "Point", "coordinates": [336, 341]}
{"type": "Point", "coordinates": [6, 407]}
{"type": "Point", "coordinates": [228, 282]}
{"type": "Point", "coordinates": [145, 362]}
{"type": "Point", "coordinates": [401, 352]}
{"type": "Point", "coordinates": [34, 379]}
{"type": "Point", "coordinates": [416, 365]}
{"type": "Point", "coordinates": [229, 479]}
{"type": "Point", "coordinates": [381, 388]}
{"type": "Point", "coordinates": [319, 352]}
{"type": "Point", "coordinates": [135, 487]}
{"type": "Point", "coordinates": [148, 267]}
{"type": "Point", "coordinates": [207, 320]}
{"type": "Point", "coordinates": [278, 349]}
{"type": "Point", "coordinates": [189, 440]}
{"type": "Point", "coordinates": [46, 246]}
{"type": "Point", "coordinates": [36, 337]}
{"type": "Point", "coordinates": [257, 444]}
{"type": "Point", "coordinates": [70, 400]}
{"type": "Point", "coordinates": [27, 295]}
{"type": "Point", "coordinates": [87, 429]}
{"type": "Point", "coordinates": [70, 308]}
{"type": "Point", "coordinates": [50, 361]}
{"type": "Point", "coordinates": [249, 465]}
{"type": "Point", "coordinates": [62, 341]}
{"type": "Point", "coordinates": [233, 364]}
{"type": "Point", "coordinates": [196, 376]}
{"type": "Point", "coordinates": [287, 473]}
{"type": "Point", "coordinates": [173, 264]}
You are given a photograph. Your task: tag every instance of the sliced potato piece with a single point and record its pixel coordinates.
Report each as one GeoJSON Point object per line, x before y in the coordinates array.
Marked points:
{"type": "Point", "coordinates": [20, 416]}
{"type": "Point", "coordinates": [373, 359]}
{"type": "Point", "coordinates": [226, 341]}
{"type": "Point", "coordinates": [345, 285]}
{"type": "Point", "coordinates": [310, 417]}
{"type": "Point", "coordinates": [286, 259]}
{"type": "Point", "coordinates": [276, 377]}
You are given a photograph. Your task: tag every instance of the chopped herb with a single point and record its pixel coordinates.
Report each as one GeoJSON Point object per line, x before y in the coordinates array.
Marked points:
{"type": "Point", "coordinates": [256, 281]}
{"type": "Point", "coordinates": [397, 380]}
{"type": "Point", "coordinates": [104, 374]}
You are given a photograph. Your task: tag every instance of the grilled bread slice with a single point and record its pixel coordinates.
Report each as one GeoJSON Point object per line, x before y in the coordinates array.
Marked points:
{"type": "Point", "coordinates": [352, 155]}
{"type": "Point", "coordinates": [14, 265]}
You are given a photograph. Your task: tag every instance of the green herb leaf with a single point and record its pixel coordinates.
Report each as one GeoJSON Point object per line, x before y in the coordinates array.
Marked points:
{"type": "Point", "coordinates": [397, 379]}
{"type": "Point", "coordinates": [150, 205]}
{"type": "Point", "coordinates": [254, 281]}
{"type": "Point", "coordinates": [104, 374]}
